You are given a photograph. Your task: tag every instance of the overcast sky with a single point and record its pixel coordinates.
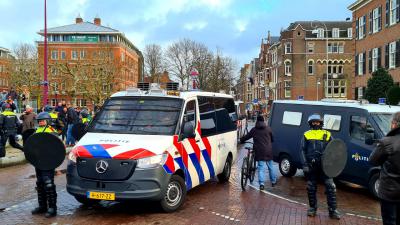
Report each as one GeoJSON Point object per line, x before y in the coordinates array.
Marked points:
{"type": "Point", "coordinates": [234, 26]}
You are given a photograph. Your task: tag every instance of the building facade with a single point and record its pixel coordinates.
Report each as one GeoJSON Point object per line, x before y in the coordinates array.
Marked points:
{"type": "Point", "coordinates": [5, 60]}
{"type": "Point", "coordinates": [83, 48]}
{"type": "Point", "coordinates": [313, 60]}
{"type": "Point", "coordinates": [376, 28]}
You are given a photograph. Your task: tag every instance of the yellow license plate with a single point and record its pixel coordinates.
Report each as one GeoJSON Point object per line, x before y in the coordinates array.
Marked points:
{"type": "Point", "coordinates": [100, 195]}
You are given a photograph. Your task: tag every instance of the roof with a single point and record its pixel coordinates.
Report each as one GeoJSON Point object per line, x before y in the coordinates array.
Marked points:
{"type": "Point", "coordinates": [372, 108]}
{"type": "Point", "coordinates": [182, 95]}
{"type": "Point", "coordinates": [4, 49]}
{"type": "Point", "coordinates": [357, 4]}
{"type": "Point", "coordinates": [274, 39]}
{"type": "Point", "coordinates": [311, 25]}
{"type": "Point", "coordinates": [81, 28]}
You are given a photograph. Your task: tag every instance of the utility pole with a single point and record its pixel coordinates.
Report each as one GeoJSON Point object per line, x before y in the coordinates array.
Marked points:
{"type": "Point", "coordinates": [45, 82]}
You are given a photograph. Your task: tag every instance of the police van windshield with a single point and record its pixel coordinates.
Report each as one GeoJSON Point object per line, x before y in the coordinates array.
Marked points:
{"type": "Point", "coordinates": [383, 121]}
{"type": "Point", "coordinates": [138, 115]}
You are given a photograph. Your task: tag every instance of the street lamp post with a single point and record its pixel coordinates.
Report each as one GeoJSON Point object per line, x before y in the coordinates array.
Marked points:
{"type": "Point", "coordinates": [45, 83]}
{"type": "Point", "coordinates": [327, 55]}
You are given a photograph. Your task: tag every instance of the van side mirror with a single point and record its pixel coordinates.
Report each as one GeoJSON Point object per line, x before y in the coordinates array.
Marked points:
{"type": "Point", "coordinates": [188, 131]}
{"type": "Point", "coordinates": [369, 136]}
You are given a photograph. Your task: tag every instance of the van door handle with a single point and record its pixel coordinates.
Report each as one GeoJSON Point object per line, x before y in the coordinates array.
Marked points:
{"type": "Point", "coordinates": [198, 140]}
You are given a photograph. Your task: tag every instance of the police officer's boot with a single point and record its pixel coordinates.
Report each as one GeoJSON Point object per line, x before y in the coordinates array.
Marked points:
{"type": "Point", "coordinates": [51, 194]}
{"type": "Point", "coordinates": [331, 199]}
{"type": "Point", "coordinates": [312, 199]}
{"type": "Point", "coordinates": [42, 200]}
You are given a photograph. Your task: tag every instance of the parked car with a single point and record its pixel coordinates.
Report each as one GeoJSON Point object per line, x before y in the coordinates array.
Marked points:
{"type": "Point", "coordinates": [358, 125]}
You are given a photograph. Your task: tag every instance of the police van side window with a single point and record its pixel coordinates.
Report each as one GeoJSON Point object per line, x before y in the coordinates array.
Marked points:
{"type": "Point", "coordinates": [358, 127]}
{"type": "Point", "coordinates": [190, 113]}
{"type": "Point", "coordinates": [208, 119]}
{"type": "Point", "coordinates": [332, 122]}
{"type": "Point", "coordinates": [226, 115]}
{"type": "Point", "coordinates": [292, 118]}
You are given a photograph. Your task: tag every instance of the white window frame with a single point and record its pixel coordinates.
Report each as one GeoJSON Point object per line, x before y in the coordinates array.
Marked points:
{"type": "Point", "coordinates": [74, 55]}
{"type": "Point", "coordinates": [54, 54]}
{"type": "Point", "coordinates": [375, 20]}
{"type": "Point", "coordinates": [83, 54]}
{"type": "Point", "coordinates": [392, 55]}
{"type": "Point", "coordinates": [288, 47]}
{"type": "Point", "coordinates": [292, 118]}
{"type": "Point", "coordinates": [350, 32]}
{"type": "Point", "coordinates": [361, 31]}
{"type": "Point", "coordinates": [360, 64]}
{"type": "Point", "coordinates": [374, 59]}
{"type": "Point", "coordinates": [321, 33]}
{"type": "Point", "coordinates": [53, 102]}
{"type": "Point", "coordinates": [310, 64]}
{"type": "Point", "coordinates": [341, 47]}
{"type": "Point", "coordinates": [63, 53]}
{"type": "Point", "coordinates": [287, 88]}
{"type": "Point", "coordinates": [288, 68]}
{"type": "Point", "coordinates": [393, 12]}
{"type": "Point", "coordinates": [310, 47]}
{"type": "Point", "coordinates": [332, 122]}
{"type": "Point", "coordinates": [360, 93]}
{"type": "Point", "coordinates": [335, 33]}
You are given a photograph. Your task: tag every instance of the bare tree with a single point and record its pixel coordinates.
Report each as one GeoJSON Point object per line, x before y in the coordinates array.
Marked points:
{"type": "Point", "coordinates": [202, 61]}
{"type": "Point", "coordinates": [153, 60]}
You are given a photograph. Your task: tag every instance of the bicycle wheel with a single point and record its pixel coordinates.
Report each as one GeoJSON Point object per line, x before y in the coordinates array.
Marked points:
{"type": "Point", "coordinates": [252, 167]}
{"type": "Point", "coordinates": [244, 176]}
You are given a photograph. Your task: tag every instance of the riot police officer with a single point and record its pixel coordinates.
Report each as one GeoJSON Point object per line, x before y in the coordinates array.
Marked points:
{"type": "Point", "coordinates": [9, 124]}
{"type": "Point", "coordinates": [85, 117]}
{"type": "Point", "coordinates": [45, 187]}
{"type": "Point", "coordinates": [313, 145]}
{"type": "Point", "coordinates": [55, 122]}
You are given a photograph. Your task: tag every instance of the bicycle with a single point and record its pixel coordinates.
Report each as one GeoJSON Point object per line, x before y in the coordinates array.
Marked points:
{"type": "Point", "coordinates": [248, 167]}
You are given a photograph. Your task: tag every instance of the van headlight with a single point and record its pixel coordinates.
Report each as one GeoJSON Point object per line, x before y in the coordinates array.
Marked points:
{"type": "Point", "coordinates": [72, 156]}
{"type": "Point", "coordinates": [151, 162]}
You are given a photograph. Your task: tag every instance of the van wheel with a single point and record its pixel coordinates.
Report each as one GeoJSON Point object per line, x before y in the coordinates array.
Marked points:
{"type": "Point", "coordinates": [226, 173]}
{"type": "Point", "coordinates": [373, 184]}
{"type": "Point", "coordinates": [174, 195]}
{"type": "Point", "coordinates": [286, 166]}
{"type": "Point", "coordinates": [86, 201]}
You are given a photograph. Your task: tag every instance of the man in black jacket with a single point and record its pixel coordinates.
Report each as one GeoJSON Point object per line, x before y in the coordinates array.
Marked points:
{"type": "Point", "coordinates": [387, 155]}
{"type": "Point", "coordinates": [9, 124]}
{"type": "Point", "coordinates": [262, 138]}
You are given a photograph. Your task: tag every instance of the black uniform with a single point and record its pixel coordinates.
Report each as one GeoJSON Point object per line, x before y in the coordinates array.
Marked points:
{"type": "Point", "coordinates": [313, 144]}
{"type": "Point", "coordinates": [8, 129]}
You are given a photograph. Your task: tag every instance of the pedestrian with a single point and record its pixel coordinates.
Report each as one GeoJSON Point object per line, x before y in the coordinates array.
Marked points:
{"type": "Point", "coordinates": [59, 108]}
{"type": "Point", "coordinates": [13, 95]}
{"type": "Point", "coordinates": [45, 187]}
{"type": "Point", "coordinates": [63, 117]}
{"type": "Point", "coordinates": [3, 96]}
{"type": "Point", "coordinates": [28, 121]}
{"type": "Point", "coordinates": [314, 142]}
{"type": "Point", "coordinates": [387, 155]}
{"type": "Point", "coordinates": [262, 138]}
{"type": "Point", "coordinates": [72, 119]}
{"type": "Point", "coordinates": [8, 129]}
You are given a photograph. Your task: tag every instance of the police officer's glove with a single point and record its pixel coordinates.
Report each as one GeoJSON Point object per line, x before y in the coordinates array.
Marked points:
{"type": "Point", "coordinates": [306, 169]}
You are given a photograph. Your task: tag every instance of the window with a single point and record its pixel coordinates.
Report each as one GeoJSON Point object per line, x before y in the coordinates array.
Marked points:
{"type": "Point", "coordinates": [54, 54]}
{"type": "Point", "coordinates": [288, 68]}
{"type": "Point", "coordinates": [226, 114]}
{"type": "Point", "coordinates": [341, 48]}
{"type": "Point", "coordinates": [358, 125]}
{"type": "Point", "coordinates": [310, 67]}
{"type": "Point", "coordinates": [360, 93]}
{"type": "Point", "coordinates": [361, 27]}
{"type": "Point", "coordinates": [393, 12]}
{"type": "Point", "coordinates": [337, 88]}
{"type": "Point", "coordinates": [56, 38]}
{"type": "Point", "coordinates": [288, 88]}
{"type": "Point", "coordinates": [349, 32]}
{"type": "Point", "coordinates": [53, 102]}
{"type": "Point", "coordinates": [320, 33]}
{"type": "Point", "coordinates": [332, 122]}
{"type": "Point", "coordinates": [335, 32]}
{"type": "Point", "coordinates": [288, 48]}
{"type": "Point", "coordinates": [360, 64]}
{"type": "Point", "coordinates": [190, 113]}
{"type": "Point", "coordinates": [123, 57]}
{"type": "Point", "coordinates": [392, 55]}
{"type": "Point", "coordinates": [335, 47]}
{"type": "Point", "coordinates": [292, 118]}
{"type": "Point", "coordinates": [74, 55]}
{"type": "Point", "coordinates": [374, 59]}
{"type": "Point", "coordinates": [310, 47]}
{"type": "Point", "coordinates": [83, 54]}
{"type": "Point", "coordinates": [63, 55]}
{"type": "Point", "coordinates": [375, 20]}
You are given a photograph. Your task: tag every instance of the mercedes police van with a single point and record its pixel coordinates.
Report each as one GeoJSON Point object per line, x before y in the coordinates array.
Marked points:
{"type": "Point", "coordinates": [358, 125]}
{"type": "Point", "coordinates": [154, 145]}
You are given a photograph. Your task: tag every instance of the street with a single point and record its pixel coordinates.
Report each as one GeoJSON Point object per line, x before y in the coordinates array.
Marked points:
{"type": "Point", "coordinates": [211, 203]}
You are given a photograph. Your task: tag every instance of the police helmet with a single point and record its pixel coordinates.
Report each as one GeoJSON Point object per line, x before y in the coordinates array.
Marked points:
{"type": "Point", "coordinates": [315, 117]}
{"type": "Point", "coordinates": [48, 108]}
{"type": "Point", "coordinates": [6, 106]}
{"type": "Point", "coordinates": [43, 116]}
{"type": "Point", "coordinates": [84, 113]}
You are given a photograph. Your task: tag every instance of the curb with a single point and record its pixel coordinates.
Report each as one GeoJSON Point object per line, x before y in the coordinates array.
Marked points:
{"type": "Point", "coordinates": [18, 160]}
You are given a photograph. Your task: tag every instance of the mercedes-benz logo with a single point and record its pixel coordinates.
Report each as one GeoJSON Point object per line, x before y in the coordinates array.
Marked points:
{"type": "Point", "coordinates": [101, 166]}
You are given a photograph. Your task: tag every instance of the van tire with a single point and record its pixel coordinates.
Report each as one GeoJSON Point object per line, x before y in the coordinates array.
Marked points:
{"type": "Point", "coordinates": [174, 194]}
{"type": "Point", "coordinates": [286, 166]}
{"type": "Point", "coordinates": [373, 184]}
{"type": "Point", "coordinates": [86, 201]}
{"type": "Point", "coordinates": [226, 173]}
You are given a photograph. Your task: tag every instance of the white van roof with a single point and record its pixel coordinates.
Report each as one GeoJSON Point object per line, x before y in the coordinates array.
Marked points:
{"type": "Point", "coordinates": [183, 95]}
{"type": "Point", "coordinates": [372, 108]}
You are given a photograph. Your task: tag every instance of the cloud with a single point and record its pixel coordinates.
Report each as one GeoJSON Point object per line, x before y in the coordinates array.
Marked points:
{"type": "Point", "coordinates": [199, 25]}
{"type": "Point", "coordinates": [241, 25]}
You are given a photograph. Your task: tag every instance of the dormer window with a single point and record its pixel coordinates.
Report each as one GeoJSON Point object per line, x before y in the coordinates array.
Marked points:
{"type": "Point", "coordinates": [320, 33]}
{"type": "Point", "coordinates": [335, 32]}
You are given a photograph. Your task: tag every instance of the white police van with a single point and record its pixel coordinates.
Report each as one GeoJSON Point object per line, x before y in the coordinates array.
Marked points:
{"type": "Point", "coordinates": [358, 124]}
{"type": "Point", "coordinates": [155, 146]}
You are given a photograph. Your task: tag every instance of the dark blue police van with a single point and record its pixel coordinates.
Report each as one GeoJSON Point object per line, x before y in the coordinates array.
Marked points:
{"type": "Point", "coordinates": [357, 124]}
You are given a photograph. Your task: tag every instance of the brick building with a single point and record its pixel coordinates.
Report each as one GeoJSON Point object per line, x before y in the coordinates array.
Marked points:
{"type": "Point", "coordinates": [82, 43]}
{"type": "Point", "coordinates": [5, 60]}
{"type": "Point", "coordinates": [312, 60]}
{"type": "Point", "coordinates": [376, 27]}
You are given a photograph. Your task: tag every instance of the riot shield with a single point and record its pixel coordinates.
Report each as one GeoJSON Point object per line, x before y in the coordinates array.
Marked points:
{"type": "Point", "coordinates": [334, 158]}
{"type": "Point", "coordinates": [44, 151]}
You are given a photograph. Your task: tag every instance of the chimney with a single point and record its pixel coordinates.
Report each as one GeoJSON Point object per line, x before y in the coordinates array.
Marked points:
{"type": "Point", "coordinates": [78, 19]}
{"type": "Point", "coordinates": [97, 20]}
{"type": "Point", "coordinates": [269, 37]}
